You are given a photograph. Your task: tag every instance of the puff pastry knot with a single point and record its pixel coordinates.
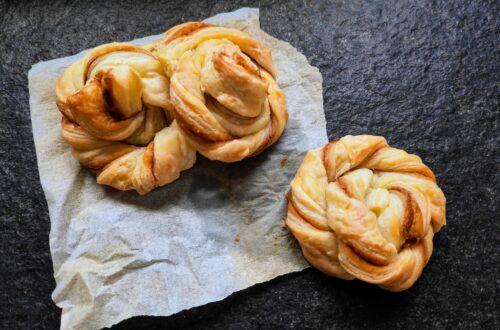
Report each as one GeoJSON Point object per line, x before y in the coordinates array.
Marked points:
{"type": "Point", "coordinates": [117, 116]}
{"type": "Point", "coordinates": [362, 209]}
{"type": "Point", "coordinates": [224, 90]}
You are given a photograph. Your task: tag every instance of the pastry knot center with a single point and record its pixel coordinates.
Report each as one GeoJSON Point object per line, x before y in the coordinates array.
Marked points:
{"type": "Point", "coordinates": [231, 78]}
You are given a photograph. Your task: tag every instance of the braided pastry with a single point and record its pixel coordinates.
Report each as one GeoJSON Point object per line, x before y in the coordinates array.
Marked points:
{"type": "Point", "coordinates": [362, 209]}
{"type": "Point", "coordinates": [118, 118]}
{"type": "Point", "coordinates": [223, 89]}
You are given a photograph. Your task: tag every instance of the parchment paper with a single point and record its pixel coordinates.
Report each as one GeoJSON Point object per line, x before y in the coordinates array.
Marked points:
{"type": "Point", "coordinates": [117, 254]}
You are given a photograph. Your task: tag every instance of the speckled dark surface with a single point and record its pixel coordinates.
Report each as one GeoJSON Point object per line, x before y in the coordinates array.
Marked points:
{"type": "Point", "coordinates": [426, 76]}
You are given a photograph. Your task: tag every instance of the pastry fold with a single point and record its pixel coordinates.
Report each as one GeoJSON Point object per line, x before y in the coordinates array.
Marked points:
{"type": "Point", "coordinates": [223, 90]}
{"type": "Point", "coordinates": [362, 209]}
{"type": "Point", "coordinates": [118, 118]}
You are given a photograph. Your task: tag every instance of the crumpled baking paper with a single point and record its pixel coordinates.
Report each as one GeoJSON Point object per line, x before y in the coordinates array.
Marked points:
{"type": "Point", "coordinates": [117, 254]}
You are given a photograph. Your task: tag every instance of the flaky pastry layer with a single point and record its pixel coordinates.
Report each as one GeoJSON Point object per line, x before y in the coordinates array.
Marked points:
{"type": "Point", "coordinates": [362, 209]}
{"type": "Point", "coordinates": [223, 90]}
{"type": "Point", "coordinates": [118, 118]}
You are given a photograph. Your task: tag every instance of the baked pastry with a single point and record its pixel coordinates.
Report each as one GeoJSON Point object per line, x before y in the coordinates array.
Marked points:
{"type": "Point", "coordinates": [117, 116]}
{"type": "Point", "coordinates": [223, 89]}
{"type": "Point", "coordinates": [362, 209]}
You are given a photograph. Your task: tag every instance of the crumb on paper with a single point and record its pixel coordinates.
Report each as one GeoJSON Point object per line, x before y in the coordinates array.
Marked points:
{"type": "Point", "coordinates": [283, 161]}
{"type": "Point", "coordinates": [237, 238]}
{"type": "Point", "coordinates": [286, 195]}
{"type": "Point", "coordinates": [283, 224]}
{"type": "Point", "coordinates": [276, 238]}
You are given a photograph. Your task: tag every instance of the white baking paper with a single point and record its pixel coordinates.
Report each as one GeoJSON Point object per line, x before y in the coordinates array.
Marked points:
{"type": "Point", "coordinates": [117, 254]}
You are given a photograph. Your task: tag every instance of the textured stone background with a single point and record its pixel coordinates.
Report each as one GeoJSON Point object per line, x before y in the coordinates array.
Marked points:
{"type": "Point", "coordinates": [424, 74]}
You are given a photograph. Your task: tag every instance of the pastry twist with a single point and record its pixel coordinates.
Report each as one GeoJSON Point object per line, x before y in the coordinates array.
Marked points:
{"type": "Point", "coordinates": [223, 89]}
{"type": "Point", "coordinates": [362, 209]}
{"type": "Point", "coordinates": [118, 118]}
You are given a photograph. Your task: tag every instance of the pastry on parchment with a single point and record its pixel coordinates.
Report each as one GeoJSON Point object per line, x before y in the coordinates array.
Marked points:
{"type": "Point", "coordinates": [223, 89]}
{"type": "Point", "coordinates": [362, 209]}
{"type": "Point", "coordinates": [117, 116]}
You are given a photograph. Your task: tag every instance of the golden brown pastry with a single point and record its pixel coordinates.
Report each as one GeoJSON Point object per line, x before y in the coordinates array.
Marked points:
{"type": "Point", "coordinates": [223, 89]}
{"type": "Point", "coordinates": [362, 209]}
{"type": "Point", "coordinates": [117, 116]}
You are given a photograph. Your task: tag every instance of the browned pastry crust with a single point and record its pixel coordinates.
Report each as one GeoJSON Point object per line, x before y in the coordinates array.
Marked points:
{"type": "Point", "coordinates": [117, 116]}
{"type": "Point", "coordinates": [223, 90]}
{"type": "Point", "coordinates": [362, 209]}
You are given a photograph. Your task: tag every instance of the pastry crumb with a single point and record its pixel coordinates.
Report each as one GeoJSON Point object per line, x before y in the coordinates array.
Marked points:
{"type": "Point", "coordinates": [283, 161]}
{"type": "Point", "coordinates": [286, 195]}
{"type": "Point", "coordinates": [237, 238]}
{"type": "Point", "coordinates": [276, 237]}
{"type": "Point", "coordinates": [283, 225]}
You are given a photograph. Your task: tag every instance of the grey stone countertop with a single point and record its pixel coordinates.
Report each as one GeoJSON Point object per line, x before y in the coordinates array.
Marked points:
{"type": "Point", "coordinates": [424, 74]}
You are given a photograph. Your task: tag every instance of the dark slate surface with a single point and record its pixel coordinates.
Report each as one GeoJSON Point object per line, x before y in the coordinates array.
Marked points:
{"type": "Point", "coordinates": [426, 76]}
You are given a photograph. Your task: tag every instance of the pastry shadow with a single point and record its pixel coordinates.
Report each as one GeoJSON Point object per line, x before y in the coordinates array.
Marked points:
{"type": "Point", "coordinates": [207, 185]}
